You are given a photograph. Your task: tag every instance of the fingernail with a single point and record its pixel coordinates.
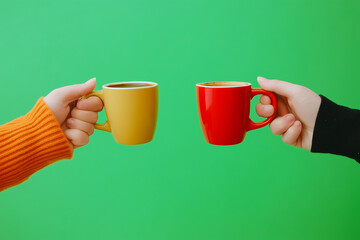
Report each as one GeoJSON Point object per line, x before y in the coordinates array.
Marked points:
{"type": "Point", "coordinates": [261, 79]}
{"type": "Point", "coordinates": [290, 117]}
{"type": "Point", "coordinates": [90, 81]}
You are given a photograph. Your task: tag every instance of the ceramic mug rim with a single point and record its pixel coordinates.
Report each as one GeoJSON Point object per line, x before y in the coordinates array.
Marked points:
{"type": "Point", "coordinates": [241, 84]}
{"type": "Point", "coordinates": [150, 85]}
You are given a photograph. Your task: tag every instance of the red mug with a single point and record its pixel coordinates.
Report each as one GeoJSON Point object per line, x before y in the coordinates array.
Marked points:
{"type": "Point", "coordinates": [224, 111]}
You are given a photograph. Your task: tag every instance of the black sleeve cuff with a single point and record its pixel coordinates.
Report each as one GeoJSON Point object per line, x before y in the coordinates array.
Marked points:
{"type": "Point", "coordinates": [337, 130]}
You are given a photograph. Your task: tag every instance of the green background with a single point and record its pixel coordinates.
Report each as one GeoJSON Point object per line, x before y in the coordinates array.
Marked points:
{"type": "Point", "coordinates": [177, 186]}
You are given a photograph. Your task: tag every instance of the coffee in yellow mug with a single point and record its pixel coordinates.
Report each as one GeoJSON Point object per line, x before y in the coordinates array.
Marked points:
{"type": "Point", "coordinates": [131, 109]}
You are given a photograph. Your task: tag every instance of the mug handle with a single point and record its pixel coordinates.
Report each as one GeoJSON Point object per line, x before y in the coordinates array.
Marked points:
{"type": "Point", "coordinates": [103, 126]}
{"type": "Point", "coordinates": [252, 125]}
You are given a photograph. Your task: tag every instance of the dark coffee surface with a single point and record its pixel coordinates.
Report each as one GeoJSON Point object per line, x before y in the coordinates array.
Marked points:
{"type": "Point", "coordinates": [129, 85]}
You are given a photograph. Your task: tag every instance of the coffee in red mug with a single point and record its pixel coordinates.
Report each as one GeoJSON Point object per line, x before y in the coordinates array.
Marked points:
{"type": "Point", "coordinates": [224, 111]}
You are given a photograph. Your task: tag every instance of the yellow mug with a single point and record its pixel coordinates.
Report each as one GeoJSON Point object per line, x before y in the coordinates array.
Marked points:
{"type": "Point", "coordinates": [131, 109]}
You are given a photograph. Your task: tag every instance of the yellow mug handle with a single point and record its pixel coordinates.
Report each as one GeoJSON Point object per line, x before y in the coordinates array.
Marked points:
{"type": "Point", "coordinates": [104, 126]}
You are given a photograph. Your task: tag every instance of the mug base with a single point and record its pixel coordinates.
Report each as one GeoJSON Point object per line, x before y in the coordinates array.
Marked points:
{"type": "Point", "coordinates": [133, 143]}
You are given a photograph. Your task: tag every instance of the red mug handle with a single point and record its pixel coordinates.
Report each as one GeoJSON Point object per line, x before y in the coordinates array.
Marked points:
{"type": "Point", "coordinates": [252, 125]}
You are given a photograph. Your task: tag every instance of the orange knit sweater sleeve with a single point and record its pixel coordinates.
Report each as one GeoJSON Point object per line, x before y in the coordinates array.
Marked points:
{"type": "Point", "coordinates": [29, 144]}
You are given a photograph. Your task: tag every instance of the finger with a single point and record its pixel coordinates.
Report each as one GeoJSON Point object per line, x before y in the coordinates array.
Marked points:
{"type": "Point", "coordinates": [77, 137]}
{"type": "Point", "coordinates": [90, 104]}
{"type": "Point", "coordinates": [291, 136]}
{"type": "Point", "coordinates": [64, 127]}
{"type": "Point", "coordinates": [282, 124]}
{"type": "Point", "coordinates": [74, 123]}
{"type": "Point", "coordinates": [279, 87]}
{"type": "Point", "coordinates": [283, 107]}
{"type": "Point", "coordinates": [265, 100]}
{"type": "Point", "coordinates": [71, 93]}
{"type": "Point", "coordinates": [264, 110]}
{"type": "Point", "coordinates": [86, 116]}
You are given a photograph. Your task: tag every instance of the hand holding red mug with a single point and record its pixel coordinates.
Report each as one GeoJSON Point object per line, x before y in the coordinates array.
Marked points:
{"type": "Point", "coordinates": [297, 110]}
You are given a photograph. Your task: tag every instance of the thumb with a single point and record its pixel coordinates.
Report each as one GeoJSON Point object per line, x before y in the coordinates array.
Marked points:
{"type": "Point", "coordinates": [279, 87]}
{"type": "Point", "coordinates": [71, 93]}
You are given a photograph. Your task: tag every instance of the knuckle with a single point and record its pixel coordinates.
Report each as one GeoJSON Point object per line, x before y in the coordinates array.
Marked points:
{"type": "Point", "coordinates": [81, 101]}
{"type": "Point", "coordinates": [97, 104]}
{"type": "Point", "coordinates": [268, 109]}
{"type": "Point", "coordinates": [264, 110]}
{"type": "Point", "coordinates": [274, 130]}
{"type": "Point", "coordinates": [276, 127]}
{"type": "Point", "coordinates": [78, 134]}
{"type": "Point", "coordinates": [67, 133]}
{"type": "Point", "coordinates": [70, 122]}
{"type": "Point", "coordinates": [95, 117]}
{"type": "Point", "coordinates": [91, 131]}
{"type": "Point", "coordinates": [85, 139]}
{"type": "Point", "coordinates": [286, 140]}
{"type": "Point", "coordinates": [95, 100]}
{"type": "Point", "coordinates": [74, 112]}
{"type": "Point", "coordinates": [265, 99]}
{"type": "Point", "coordinates": [289, 137]}
{"type": "Point", "coordinates": [81, 138]}
{"type": "Point", "coordinates": [258, 107]}
{"type": "Point", "coordinates": [88, 128]}
{"type": "Point", "coordinates": [100, 107]}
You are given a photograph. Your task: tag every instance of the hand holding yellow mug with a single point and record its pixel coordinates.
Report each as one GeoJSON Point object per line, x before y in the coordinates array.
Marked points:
{"type": "Point", "coordinates": [131, 109]}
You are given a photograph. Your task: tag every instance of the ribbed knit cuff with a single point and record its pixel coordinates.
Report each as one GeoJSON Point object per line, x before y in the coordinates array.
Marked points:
{"type": "Point", "coordinates": [337, 130]}
{"type": "Point", "coordinates": [29, 144]}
